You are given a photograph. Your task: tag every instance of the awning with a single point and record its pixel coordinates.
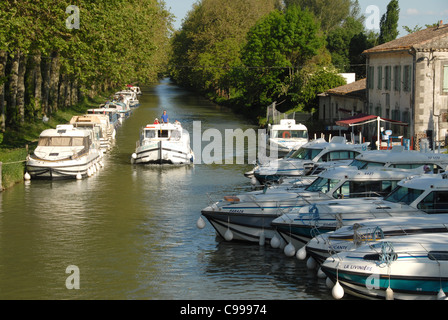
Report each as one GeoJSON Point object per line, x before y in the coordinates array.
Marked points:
{"type": "Point", "coordinates": [362, 119]}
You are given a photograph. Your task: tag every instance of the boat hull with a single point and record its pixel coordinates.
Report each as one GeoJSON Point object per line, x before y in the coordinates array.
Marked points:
{"type": "Point", "coordinates": [69, 169]}
{"type": "Point", "coordinates": [163, 152]}
{"type": "Point", "coordinates": [247, 228]}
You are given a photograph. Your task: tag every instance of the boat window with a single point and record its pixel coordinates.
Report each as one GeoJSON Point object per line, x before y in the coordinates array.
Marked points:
{"type": "Point", "coordinates": [150, 134]}
{"type": "Point", "coordinates": [438, 255]}
{"type": "Point", "coordinates": [286, 134]}
{"type": "Point", "coordinates": [322, 185]}
{"type": "Point", "coordinates": [62, 141]}
{"type": "Point", "coordinates": [338, 155]}
{"type": "Point", "coordinates": [163, 134]}
{"type": "Point", "coordinates": [435, 202]}
{"type": "Point", "coordinates": [306, 154]}
{"type": "Point", "coordinates": [176, 134]}
{"type": "Point", "coordinates": [362, 164]}
{"type": "Point", "coordinates": [403, 194]}
{"type": "Point", "coordinates": [358, 189]}
{"type": "Point", "coordinates": [359, 164]}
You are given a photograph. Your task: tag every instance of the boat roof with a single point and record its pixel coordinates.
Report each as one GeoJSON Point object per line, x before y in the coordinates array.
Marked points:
{"type": "Point", "coordinates": [163, 126]}
{"type": "Point", "coordinates": [103, 110]}
{"type": "Point", "coordinates": [66, 130]}
{"type": "Point", "coordinates": [288, 124]}
{"type": "Point", "coordinates": [89, 118]}
{"type": "Point", "coordinates": [399, 155]}
{"type": "Point", "coordinates": [345, 173]}
{"type": "Point", "coordinates": [425, 181]}
{"type": "Point", "coordinates": [335, 143]}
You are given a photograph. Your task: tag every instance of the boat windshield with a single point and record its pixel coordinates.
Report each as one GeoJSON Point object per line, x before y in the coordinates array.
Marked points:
{"type": "Point", "coordinates": [322, 185]}
{"type": "Point", "coordinates": [150, 134]}
{"type": "Point", "coordinates": [306, 154]}
{"type": "Point", "coordinates": [435, 202]}
{"type": "Point", "coordinates": [403, 195]}
{"type": "Point", "coordinates": [359, 189]}
{"type": "Point", "coordinates": [361, 164]}
{"type": "Point", "coordinates": [287, 134]}
{"type": "Point", "coordinates": [63, 141]}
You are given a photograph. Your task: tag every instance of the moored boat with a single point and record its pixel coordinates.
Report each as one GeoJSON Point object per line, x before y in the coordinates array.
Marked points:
{"type": "Point", "coordinates": [249, 216]}
{"type": "Point", "coordinates": [163, 143]}
{"type": "Point", "coordinates": [413, 267]}
{"type": "Point", "coordinates": [421, 195]}
{"type": "Point", "coordinates": [64, 153]}
{"type": "Point", "coordinates": [337, 152]}
{"type": "Point", "coordinates": [285, 136]}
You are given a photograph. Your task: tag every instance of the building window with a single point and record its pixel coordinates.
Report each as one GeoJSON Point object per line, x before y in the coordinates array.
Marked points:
{"type": "Point", "coordinates": [397, 78]}
{"type": "Point", "coordinates": [388, 78]}
{"type": "Point", "coordinates": [380, 78]}
{"type": "Point", "coordinates": [370, 77]}
{"type": "Point", "coordinates": [445, 79]}
{"type": "Point", "coordinates": [407, 78]}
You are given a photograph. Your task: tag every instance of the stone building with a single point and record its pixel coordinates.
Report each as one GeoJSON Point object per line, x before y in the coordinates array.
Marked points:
{"type": "Point", "coordinates": [407, 80]}
{"type": "Point", "coordinates": [342, 102]}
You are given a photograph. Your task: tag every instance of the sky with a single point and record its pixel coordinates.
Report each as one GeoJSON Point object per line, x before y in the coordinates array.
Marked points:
{"type": "Point", "coordinates": [412, 12]}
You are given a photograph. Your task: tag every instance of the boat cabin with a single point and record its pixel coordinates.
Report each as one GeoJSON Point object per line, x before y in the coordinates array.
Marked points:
{"type": "Point", "coordinates": [288, 129]}
{"type": "Point", "coordinates": [164, 131]}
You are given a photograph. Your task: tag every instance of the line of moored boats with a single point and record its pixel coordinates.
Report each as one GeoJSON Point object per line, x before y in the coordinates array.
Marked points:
{"type": "Point", "coordinates": [374, 223]}
{"type": "Point", "coordinates": [75, 150]}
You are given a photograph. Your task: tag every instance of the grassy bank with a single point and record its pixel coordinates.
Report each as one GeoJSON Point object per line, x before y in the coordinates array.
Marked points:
{"type": "Point", "coordinates": [16, 144]}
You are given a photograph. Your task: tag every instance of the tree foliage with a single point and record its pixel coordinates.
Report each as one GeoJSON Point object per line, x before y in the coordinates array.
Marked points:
{"type": "Point", "coordinates": [389, 23]}
{"type": "Point", "coordinates": [44, 65]}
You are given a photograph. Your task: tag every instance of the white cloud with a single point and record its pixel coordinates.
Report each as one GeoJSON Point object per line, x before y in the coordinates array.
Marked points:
{"type": "Point", "coordinates": [412, 11]}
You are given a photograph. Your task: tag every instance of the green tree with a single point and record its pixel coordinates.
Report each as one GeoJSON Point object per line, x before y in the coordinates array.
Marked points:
{"type": "Point", "coordinates": [210, 41]}
{"type": "Point", "coordinates": [277, 47]}
{"type": "Point", "coordinates": [389, 23]}
{"type": "Point", "coordinates": [330, 13]}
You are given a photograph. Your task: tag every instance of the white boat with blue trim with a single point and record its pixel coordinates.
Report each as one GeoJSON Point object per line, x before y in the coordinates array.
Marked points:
{"type": "Point", "coordinates": [413, 267]}
{"type": "Point", "coordinates": [421, 195]}
{"type": "Point", "coordinates": [337, 152]}
{"type": "Point", "coordinates": [249, 216]}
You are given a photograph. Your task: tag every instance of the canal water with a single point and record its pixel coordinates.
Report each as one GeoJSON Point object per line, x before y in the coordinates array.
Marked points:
{"type": "Point", "coordinates": [129, 232]}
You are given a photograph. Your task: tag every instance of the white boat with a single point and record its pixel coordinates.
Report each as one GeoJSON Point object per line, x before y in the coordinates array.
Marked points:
{"type": "Point", "coordinates": [128, 95]}
{"type": "Point", "coordinates": [64, 153]}
{"type": "Point", "coordinates": [413, 267]}
{"type": "Point", "coordinates": [163, 143]}
{"type": "Point", "coordinates": [285, 136]}
{"type": "Point", "coordinates": [337, 152]}
{"type": "Point", "coordinates": [122, 107]}
{"type": "Point", "coordinates": [249, 216]}
{"type": "Point", "coordinates": [99, 124]}
{"type": "Point", "coordinates": [421, 195]}
{"type": "Point", "coordinates": [112, 114]}
{"type": "Point", "coordinates": [136, 89]}
{"type": "Point", "coordinates": [352, 237]}
{"type": "Point", "coordinates": [398, 157]}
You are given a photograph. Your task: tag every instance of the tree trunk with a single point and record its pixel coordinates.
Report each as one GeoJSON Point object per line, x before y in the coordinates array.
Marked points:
{"type": "Point", "coordinates": [13, 81]}
{"type": "Point", "coordinates": [21, 89]}
{"type": "Point", "coordinates": [37, 86]}
{"type": "Point", "coordinates": [46, 66]}
{"type": "Point", "coordinates": [54, 83]}
{"type": "Point", "coordinates": [3, 60]}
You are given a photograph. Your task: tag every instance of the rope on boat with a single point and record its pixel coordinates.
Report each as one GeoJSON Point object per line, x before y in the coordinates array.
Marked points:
{"type": "Point", "coordinates": [387, 255]}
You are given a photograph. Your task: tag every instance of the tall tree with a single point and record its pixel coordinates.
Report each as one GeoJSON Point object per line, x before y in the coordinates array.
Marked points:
{"type": "Point", "coordinates": [389, 23]}
{"type": "Point", "coordinates": [210, 41]}
{"type": "Point", "coordinates": [277, 47]}
{"type": "Point", "coordinates": [330, 13]}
